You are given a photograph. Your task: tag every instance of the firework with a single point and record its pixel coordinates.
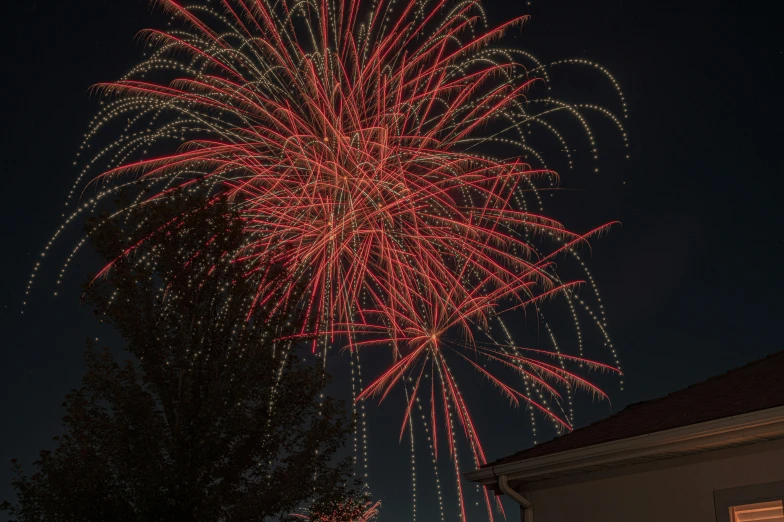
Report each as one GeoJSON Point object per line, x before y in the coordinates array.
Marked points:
{"type": "Point", "coordinates": [380, 155]}
{"type": "Point", "coordinates": [364, 512]}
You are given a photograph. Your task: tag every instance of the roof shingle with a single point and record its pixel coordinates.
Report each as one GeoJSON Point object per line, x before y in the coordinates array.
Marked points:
{"type": "Point", "coordinates": [757, 386]}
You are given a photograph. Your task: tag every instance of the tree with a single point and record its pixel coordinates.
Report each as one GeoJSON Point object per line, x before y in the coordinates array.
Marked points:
{"type": "Point", "coordinates": [211, 418]}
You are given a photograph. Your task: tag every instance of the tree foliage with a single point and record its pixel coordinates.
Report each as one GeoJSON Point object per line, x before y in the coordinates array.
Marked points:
{"type": "Point", "coordinates": [212, 417]}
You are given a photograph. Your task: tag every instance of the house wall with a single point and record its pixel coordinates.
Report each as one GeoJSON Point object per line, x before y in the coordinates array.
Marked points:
{"type": "Point", "coordinates": [673, 490]}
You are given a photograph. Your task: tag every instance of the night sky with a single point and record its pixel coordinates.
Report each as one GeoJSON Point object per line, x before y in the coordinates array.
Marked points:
{"type": "Point", "coordinates": [692, 280]}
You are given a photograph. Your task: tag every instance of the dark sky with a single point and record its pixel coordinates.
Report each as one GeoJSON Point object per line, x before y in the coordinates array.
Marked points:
{"type": "Point", "coordinates": [692, 280]}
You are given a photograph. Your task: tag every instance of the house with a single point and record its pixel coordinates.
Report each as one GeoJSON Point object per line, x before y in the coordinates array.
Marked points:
{"type": "Point", "coordinates": [713, 452]}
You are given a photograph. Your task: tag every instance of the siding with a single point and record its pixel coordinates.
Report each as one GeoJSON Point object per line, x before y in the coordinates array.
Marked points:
{"type": "Point", "coordinates": [675, 490]}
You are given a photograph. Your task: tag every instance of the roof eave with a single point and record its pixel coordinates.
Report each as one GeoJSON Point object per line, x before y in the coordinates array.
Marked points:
{"type": "Point", "coordinates": [729, 431]}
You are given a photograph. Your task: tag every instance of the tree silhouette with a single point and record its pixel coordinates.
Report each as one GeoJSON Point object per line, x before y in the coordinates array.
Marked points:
{"type": "Point", "coordinates": [211, 417]}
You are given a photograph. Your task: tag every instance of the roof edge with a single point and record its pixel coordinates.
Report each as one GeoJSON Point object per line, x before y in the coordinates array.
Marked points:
{"type": "Point", "coordinates": [715, 434]}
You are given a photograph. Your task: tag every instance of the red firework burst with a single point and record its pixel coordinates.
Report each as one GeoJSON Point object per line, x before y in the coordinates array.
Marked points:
{"type": "Point", "coordinates": [354, 142]}
{"type": "Point", "coordinates": [354, 513]}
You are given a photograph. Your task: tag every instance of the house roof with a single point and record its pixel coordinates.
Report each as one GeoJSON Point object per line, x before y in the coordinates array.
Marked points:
{"type": "Point", "coordinates": [757, 386]}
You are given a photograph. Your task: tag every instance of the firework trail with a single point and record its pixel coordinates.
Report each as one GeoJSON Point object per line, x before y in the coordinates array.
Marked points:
{"type": "Point", "coordinates": [379, 154]}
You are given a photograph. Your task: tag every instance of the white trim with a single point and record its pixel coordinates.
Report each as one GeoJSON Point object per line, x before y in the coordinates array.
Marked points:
{"type": "Point", "coordinates": [728, 431]}
{"type": "Point", "coordinates": [724, 499]}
